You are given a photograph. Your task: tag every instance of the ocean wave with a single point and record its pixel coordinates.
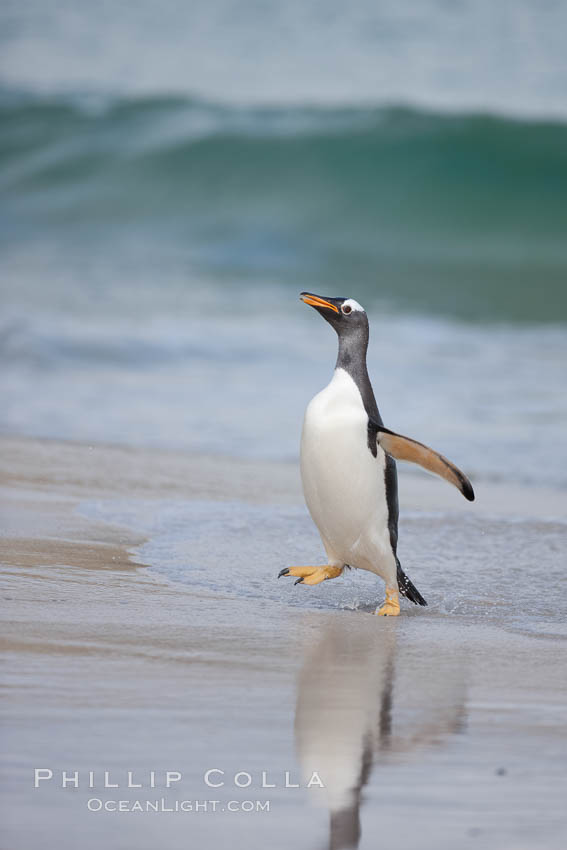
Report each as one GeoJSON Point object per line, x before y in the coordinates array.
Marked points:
{"type": "Point", "coordinates": [168, 136]}
{"type": "Point", "coordinates": [423, 199]}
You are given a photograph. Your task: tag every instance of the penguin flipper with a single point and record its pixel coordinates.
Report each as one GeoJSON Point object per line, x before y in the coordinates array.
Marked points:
{"type": "Point", "coordinates": [404, 448]}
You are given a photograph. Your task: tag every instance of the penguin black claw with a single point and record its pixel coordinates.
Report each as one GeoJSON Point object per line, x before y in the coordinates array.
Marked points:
{"type": "Point", "coordinates": [283, 572]}
{"type": "Point", "coordinates": [299, 581]}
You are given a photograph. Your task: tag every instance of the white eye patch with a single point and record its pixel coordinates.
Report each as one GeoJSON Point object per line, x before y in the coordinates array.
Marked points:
{"type": "Point", "coordinates": [354, 305]}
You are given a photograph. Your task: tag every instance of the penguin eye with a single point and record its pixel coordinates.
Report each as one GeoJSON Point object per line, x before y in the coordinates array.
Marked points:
{"type": "Point", "coordinates": [346, 309]}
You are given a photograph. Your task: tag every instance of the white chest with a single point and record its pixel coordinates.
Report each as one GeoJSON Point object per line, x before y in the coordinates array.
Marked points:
{"type": "Point", "coordinates": [343, 482]}
{"type": "Point", "coordinates": [338, 404]}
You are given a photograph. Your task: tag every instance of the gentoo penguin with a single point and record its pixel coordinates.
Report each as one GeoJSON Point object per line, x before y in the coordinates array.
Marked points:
{"type": "Point", "coordinates": [348, 469]}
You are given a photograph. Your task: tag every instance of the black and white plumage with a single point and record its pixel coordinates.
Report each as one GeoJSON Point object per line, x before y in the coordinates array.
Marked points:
{"type": "Point", "coordinates": [348, 466]}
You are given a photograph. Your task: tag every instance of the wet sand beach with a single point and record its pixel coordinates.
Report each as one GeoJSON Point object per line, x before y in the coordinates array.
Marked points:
{"type": "Point", "coordinates": [173, 175]}
{"type": "Point", "coordinates": [145, 631]}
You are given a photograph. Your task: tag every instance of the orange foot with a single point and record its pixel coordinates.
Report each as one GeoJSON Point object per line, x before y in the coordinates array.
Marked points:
{"type": "Point", "coordinates": [311, 575]}
{"type": "Point", "coordinates": [391, 607]}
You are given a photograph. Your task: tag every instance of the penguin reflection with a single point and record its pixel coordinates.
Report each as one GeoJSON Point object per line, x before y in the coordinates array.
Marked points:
{"type": "Point", "coordinates": [361, 700]}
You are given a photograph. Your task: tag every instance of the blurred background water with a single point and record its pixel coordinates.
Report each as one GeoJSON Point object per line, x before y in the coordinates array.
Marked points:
{"type": "Point", "coordinates": [172, 175]}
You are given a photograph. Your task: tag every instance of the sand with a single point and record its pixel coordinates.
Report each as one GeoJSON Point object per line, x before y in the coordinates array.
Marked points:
{"type": "Point", "coordinates": [445, 728]}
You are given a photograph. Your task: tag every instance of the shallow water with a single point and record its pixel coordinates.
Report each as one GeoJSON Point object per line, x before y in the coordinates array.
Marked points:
{"type": "Point", "coordinates": [442, 727]}
{"type": "Point", "coordinates": [502, 573]}
{"type": "Point", "coordinates": [488, 398]}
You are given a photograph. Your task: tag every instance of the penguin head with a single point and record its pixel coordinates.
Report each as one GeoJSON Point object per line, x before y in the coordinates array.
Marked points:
{"type": "Point", "coordinates": [345, 314]}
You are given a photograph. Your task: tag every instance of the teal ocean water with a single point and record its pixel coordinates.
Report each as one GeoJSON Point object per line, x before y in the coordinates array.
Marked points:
{"type": "Point", "coordinates": [172, 176]}
{"type": "Point", "coordinates": [462, 214]}
{"type": "Point", "coordinates": [170, 182]}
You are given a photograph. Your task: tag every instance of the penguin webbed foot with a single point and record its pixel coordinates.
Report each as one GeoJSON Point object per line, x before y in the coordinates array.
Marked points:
{"type": "Point", "coordinates": [391, 607]}
{"type": "Point", "coordinates": [311, 575]}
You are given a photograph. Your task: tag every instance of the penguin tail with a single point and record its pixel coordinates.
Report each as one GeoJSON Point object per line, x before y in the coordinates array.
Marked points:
{"type": "Point", "coordinates": [408, 589]}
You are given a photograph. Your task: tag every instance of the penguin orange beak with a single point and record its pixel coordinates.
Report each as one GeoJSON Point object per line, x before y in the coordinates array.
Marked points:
{"type": "Point", "coordinates": [315, 301]}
